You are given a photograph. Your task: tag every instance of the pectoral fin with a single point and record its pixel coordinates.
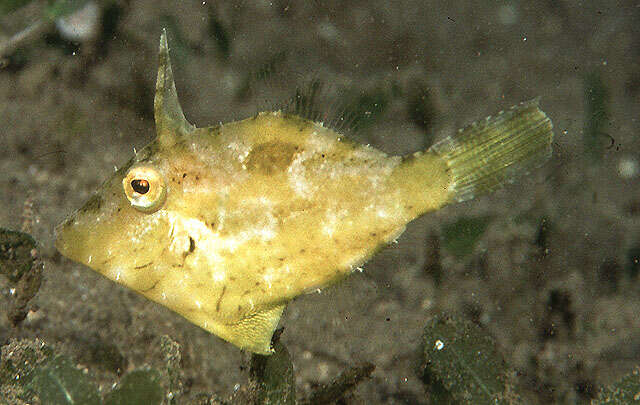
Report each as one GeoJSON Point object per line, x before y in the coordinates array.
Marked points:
{"type": "Point", "coordinates": [254, 332]}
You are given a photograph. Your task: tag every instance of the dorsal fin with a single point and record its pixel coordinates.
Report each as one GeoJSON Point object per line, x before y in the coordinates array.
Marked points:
{"type": "Point", "coordinates": [343, 108]}
{"type": "Point", "coordinates": [170, 121]}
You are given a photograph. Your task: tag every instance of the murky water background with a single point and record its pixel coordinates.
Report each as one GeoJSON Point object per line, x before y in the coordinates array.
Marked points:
{"type": "Point", "coordinates": [547, 266]}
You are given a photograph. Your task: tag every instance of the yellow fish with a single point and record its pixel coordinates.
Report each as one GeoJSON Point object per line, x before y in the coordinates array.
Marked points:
{"type": "Point", "coordinates": [225, 225]}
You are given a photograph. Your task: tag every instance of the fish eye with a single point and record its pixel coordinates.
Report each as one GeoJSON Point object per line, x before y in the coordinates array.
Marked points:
{"type": "Point", "coordinates": [145, 188]}
{"type": "Point", "coordinates": [140, 186]}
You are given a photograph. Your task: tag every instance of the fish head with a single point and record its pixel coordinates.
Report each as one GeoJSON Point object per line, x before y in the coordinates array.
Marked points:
{"type": "Point", "coordinates": [123, 228]}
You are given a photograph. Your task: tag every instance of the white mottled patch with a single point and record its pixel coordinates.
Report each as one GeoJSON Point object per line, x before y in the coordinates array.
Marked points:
{"type": "Point", "coordinates": [302, 176]}
{"type": "Point", "coordinates": [300, 179]}
{"type": "Point", "coordinates": [147, 229]}
{"type": "Point", "coordinates": [268, 277]}
{"type": "Point", "coordinates": [332, 219]}
{"type": "Point", "coordinates": [297, 175]}
{"type": "Point", "coordinates": [239, 150]}
{"type": "Point", "coordinates": [211, 245]}
{"type": "Point", "coordinates": [320, 143]}
{"type": "Point", "coordinates": [382, 213]}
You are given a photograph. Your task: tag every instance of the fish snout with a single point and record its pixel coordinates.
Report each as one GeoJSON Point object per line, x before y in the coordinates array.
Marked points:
{"type": "Point", "coordinates": [71, 241]}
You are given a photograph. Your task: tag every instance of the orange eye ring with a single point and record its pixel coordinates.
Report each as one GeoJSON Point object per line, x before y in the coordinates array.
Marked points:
{"type": "Point", "coordinates": [145, 188]}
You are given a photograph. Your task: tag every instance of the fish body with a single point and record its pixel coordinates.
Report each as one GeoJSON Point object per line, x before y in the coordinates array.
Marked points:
{"type": "Point", "coordinates": [225, 225]}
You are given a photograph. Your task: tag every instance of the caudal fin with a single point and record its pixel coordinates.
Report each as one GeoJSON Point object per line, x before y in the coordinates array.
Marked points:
{"type": "Point", "coordinates": [484, 155]}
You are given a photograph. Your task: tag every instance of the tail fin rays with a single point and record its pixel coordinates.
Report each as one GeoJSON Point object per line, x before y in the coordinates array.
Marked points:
{"type": "Point", "coordinates": [486, 154]}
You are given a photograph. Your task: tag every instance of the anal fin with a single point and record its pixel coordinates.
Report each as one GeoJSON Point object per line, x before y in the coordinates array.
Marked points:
{"type": "Point", "coordinates": [254, 332]}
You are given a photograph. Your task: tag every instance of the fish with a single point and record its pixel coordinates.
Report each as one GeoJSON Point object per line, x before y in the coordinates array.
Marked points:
{"type": "Point", "coordinates": [225, 225]}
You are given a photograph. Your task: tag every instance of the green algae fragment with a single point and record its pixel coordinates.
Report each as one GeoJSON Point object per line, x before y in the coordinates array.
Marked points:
{"type": "Point", "coordinates": [462, 364]}
{"type": "Point", "coordinates": [20, 263]}
{"type": "Point", "coordinates": [15, 253]}
{"type": "Point", "coordinates": [59, 382]}
{"type": "Point", "coordinates": [461, 237]}
{"type": "Point", "coordinates": [624, 391]}
{"type": "Point", "coordinates": [273, 377]}
{"type": "Point", "coordinates": [172, 354]}
{"type": "Point", "coordinates": [137, 387]}
{"type": "Point", "coordinates": [19, 358]}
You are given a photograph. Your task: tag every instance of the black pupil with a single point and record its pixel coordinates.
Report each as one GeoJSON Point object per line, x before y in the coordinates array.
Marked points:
{"type": "Point", "coordinates": [140, 186]}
